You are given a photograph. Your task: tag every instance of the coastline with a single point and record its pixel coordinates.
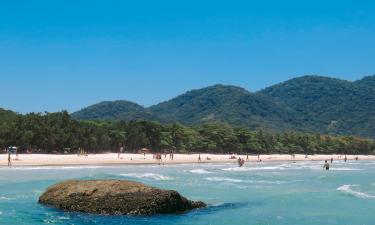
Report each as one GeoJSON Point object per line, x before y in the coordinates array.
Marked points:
{"type": "Point", "coordinates": [138, 159]}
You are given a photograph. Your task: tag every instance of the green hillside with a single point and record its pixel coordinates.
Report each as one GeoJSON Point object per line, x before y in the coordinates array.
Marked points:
{"type": "Point", "coordinates": [308, 104]}
{"type": "Point", "coordinates": [113, 110]}
{"type": "Point", "coordinates": [227, 104]}
{"type": "Point", "coordinates": [329, 105]}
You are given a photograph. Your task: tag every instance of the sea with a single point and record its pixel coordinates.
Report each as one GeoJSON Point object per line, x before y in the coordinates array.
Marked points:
{"type": "Point", "coordinates": [268, 193]}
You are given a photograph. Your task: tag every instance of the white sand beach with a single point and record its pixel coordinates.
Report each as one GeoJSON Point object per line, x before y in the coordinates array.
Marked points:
{"type": "Point", "coordinates": [112, 159]}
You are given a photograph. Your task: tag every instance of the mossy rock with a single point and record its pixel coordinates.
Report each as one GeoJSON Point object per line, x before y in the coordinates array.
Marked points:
{"type": "Point", "coordinates": [115, 197]}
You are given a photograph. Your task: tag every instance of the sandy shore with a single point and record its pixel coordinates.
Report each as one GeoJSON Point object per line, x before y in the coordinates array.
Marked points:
{"type": "Point", "coordinates": [112, 159]}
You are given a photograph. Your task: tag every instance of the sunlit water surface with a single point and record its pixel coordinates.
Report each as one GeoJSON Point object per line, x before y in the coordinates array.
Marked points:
{"type": "Point", "coordinates": [267, 193]}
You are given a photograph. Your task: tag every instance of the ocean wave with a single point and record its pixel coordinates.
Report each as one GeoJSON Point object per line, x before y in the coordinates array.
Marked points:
{"type": "Point", "coordinates": [287, 167]}
{"type": "Point", "coordinates": [147, 175]}
{"type": "Point", "coordinates": [273, 182]}
{"type": "Point", "coordinates": [345, 169]}
{"type": "Point", "coordinates": [224, 179]}
{"type": "Point", "coordinates": [232, 180]}
{"type": "Point", "coordinates": [228, 205]}
{"type": "Point", "coordinates": [4, 198]}
{"type": "Point", "coordinates": [244, 169]}
{"type": "Point", "coordinates": [348, 190]}
{"type": "Point", "coordinates": [26, 168]}
{"type": "Point", "coordinates": [199, 171]}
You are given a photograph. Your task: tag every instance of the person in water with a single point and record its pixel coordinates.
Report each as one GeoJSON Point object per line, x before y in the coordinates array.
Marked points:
{"type": "Point", "coordinates": [241, 162]}
{"type": "Point", "coordinates": [331, 160]}
{"type": "Point", "coordinates": [326, 165]}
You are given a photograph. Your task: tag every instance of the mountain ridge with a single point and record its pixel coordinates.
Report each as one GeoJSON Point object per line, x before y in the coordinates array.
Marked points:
{"type": "Point", "coordinates": [308, 103]}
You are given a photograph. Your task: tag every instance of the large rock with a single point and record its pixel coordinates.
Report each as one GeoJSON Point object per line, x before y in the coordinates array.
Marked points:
{"type": "Point", "coordinates": [115, 197]}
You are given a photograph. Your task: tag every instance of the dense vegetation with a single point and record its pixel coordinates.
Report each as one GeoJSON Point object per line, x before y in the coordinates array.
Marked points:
{"type": "Point", "coordinates": [330, 106]}
{"type": "Point", "coordinates": [113, 110]}
{"type": "Point", "coordinates": [58, 132]}
{"type": "Point", "coordinates": [307, 104]}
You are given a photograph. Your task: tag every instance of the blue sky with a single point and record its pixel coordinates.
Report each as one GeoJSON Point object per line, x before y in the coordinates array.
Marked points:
{"type": "Point", "coordinates": [67, 54]}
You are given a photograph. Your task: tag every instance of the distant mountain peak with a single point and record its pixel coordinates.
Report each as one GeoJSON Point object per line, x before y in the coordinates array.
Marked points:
{"type": "Point", "coordinates": [367, 80]}
{"type": "Point", "coordinates": [109, 110]}
{"type": "Point", "coordinates": [222, 87]}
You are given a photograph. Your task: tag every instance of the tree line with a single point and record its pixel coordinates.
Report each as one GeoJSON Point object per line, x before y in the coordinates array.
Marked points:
{"type": "Point", "coordinates": [59, 133]}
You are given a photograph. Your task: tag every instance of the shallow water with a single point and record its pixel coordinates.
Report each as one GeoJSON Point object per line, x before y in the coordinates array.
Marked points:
{"type": "Point", "coordinates": [262, 194]}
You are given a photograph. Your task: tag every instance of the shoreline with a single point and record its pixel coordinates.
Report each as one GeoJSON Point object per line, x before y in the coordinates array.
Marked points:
{"type": "Point", "coordinates": [111, 159]}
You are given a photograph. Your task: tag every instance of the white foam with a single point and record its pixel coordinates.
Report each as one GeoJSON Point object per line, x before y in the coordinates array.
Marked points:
{"type": "Point", "coordinates": [4, 198]}
{"type": "Point", "coordinates": [287, 167]}
{"type": "Point", "coordinates": [63, 218]}
{"type": "Point", "coordinates": [147, 175]}
{"type": "Point", "coordinates": [227, 179]}
{"type": "Point", "coordinates": [271, 182]}
{"type": "Point", "coordinates": [26, 168]}
{"type": "Point", "coordinates": [348, 190]}
{"type": "Point", "coordinates": [243, 169]}
{"type": "Point", "coordinates": [224, 179]}
{"type": "Point", "coordinates": [199, 171]}
{"type": "Point", "coordinates": [345, 169]}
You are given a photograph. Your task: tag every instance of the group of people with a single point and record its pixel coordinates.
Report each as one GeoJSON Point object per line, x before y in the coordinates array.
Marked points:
{"type": "Point", "coordinates": [326, 165]}
{"type": "Point", "coordinates": [82, 152]}
{"type": "Point", "coordinates": [159, 156]}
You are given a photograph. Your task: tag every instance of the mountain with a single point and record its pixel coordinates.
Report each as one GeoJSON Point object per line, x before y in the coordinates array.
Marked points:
{"type": "Point", "coordinates": [6, 115]}
{"type": "Point", "coordinates": [113, 110]}
{"type": "Point", "coordinates": [309, 104]}
{"type": "Point", "coordinates": [330, 105]}
{"type": "Point", "coordinates": [229, 104]}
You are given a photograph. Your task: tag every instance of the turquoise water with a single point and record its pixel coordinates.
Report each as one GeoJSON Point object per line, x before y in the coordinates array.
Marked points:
{"type": "Point", "coordinates": [268, 193]}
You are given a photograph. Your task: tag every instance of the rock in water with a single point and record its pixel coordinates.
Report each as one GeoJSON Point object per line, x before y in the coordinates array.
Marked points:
{"type": "Point", "coordinates": [115, 197]}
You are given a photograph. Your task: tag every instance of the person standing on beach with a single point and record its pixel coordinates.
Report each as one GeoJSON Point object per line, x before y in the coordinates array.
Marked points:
{"type": "Point", "coordinates": [159, 158]}
{"type": "Point", "coordinates": [9, 160]}
{"type": "Point", "coordinates": [119, 153]}
{"type": "Point", "coordinates": [199, 158]}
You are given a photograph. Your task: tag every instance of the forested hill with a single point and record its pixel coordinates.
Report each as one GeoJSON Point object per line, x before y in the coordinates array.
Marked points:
{"type": "Point", "coordinates": [113, 110]}
{"type": "Point", "coordinates": [229, 104]}
{"type": "Point", "coordinates": [218, 103]}
{"type": "Point", "coordinates": [307, 104]}
{"type": "Point", "coordinates": [329, 105]}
